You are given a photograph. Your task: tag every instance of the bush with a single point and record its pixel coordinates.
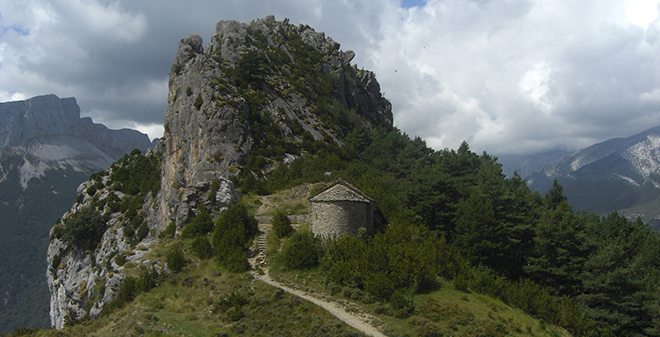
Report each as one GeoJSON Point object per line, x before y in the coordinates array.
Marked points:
{"type": "Point", "coordinates": [131, 286]}
{"type": "Point", "coordinates": [301, 251]}
{"type": "Point", "coordinates": [128, 289]}
{"type": "Point", "coordinates": [142, 232]}
{"type": "Point", "coordinates": [202, 224]}
{"type": "Point", "coordinates": [175, 259]}
{"type": "Point", "coordinates": [461, 282]}
{"type": "Point", "coordinates": [281, 225]}
{"type": "Point", "coordinates": [215, 186]}
{"type": "Point", "coordinates": [234, 229]}
{"type": "Point", "coordinates": [120, 259]}
{"type": "Point", "coordinates": [234, 260]}
{"type": "Point", "coordinates": [402, 303]}
{"type": "Point", "coordinates": [168, 232]}
{"type": "Point", "coordinates": [148, 280]}
{"type": "Point", "coordinates": [91, 190]}
{"type": "Point", "coordinates": [198, 101]}
{"type": "Point", "coordinates": [342, 263]}
{"type": "Point", "coordinates": [202, 248]}
{"type": "Point", "coordinates": [84, 229]}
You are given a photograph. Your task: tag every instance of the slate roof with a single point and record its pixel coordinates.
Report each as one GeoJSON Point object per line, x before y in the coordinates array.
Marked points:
{"type": "Point", "coordinates": [340, 190]}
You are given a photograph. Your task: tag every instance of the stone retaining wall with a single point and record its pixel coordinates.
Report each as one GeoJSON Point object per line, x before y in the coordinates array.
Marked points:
{"type": "Point", "coordinates": [299, 219]}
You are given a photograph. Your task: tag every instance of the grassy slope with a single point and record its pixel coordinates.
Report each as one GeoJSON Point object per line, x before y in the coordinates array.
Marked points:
{"type": "Point", "coordinates": [458, 313]}
{"type": "Point", "coordinates": [190, 304]}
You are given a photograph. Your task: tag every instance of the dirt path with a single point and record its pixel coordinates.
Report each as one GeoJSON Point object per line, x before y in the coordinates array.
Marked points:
{"type": "Point", "coordinates": [331, 307]}
{"type": "Point", "coordinates": [361, 324]}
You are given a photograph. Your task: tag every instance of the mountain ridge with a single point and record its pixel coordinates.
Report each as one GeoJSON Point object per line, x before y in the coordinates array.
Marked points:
{"type": "Point", "coordinates": [46, 151]}
{"type": "Point", "coordinates": [616, 174]}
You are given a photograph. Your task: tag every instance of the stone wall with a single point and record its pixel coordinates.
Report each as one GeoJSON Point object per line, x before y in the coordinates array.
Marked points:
{"type": "Point", "coordinates": [338, 218]}
{"type": "Point", "coordinates": [295, 219]}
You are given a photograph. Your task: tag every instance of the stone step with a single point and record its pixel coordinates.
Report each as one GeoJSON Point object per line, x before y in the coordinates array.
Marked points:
{"type": "Point", "coordinates": [261, 242]}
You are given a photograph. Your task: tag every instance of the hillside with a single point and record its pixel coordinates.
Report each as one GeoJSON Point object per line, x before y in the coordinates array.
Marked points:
{"type": "Point", "coordinates": [46, 151]}
{"type": "Point", "coordinates": [265, 107]}
{"type": "Point", "coordinates": [257, 96]}
{"type": "Point", "coordinates": [209, 301]}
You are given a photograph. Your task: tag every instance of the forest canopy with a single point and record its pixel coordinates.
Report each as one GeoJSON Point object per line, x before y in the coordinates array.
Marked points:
{"type": "Point", "coordinates": [454, 214]}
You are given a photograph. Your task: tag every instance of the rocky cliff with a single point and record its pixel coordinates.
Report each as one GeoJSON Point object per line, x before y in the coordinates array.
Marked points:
{"type": "Point", "coordinates": [256, 96]}
{"type": "Point", "coordinates": [46, 151]}
{"type": "Point", "coordinates": [264, 85]}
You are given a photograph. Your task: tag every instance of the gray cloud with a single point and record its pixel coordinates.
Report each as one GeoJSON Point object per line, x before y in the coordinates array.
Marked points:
{"type": "Point", "coordinates": [509, 77]}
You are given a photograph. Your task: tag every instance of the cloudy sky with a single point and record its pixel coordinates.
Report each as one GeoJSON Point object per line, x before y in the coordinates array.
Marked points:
{"type": "Point", "coordinates": [508, 76]}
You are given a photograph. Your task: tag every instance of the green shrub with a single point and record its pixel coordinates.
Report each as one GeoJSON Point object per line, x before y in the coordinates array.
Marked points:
{"type": "Point", "coordinates": [132, 286]}
{"type": "Point", "coordinates": [175, 259]}
{"type": "Point", "coordinates": [379, 284]}
{"type": "Point", "coordinates": [461, 282]}
{"type": "Point", "coordinates": [215, 186]}
{"type": "Point", "coordinates": [342, 263]}
{"type": "Point", "coordinates": [120, 259]}
{"type": "Point", "coordinates": [202, 224]}
{"type": "Point", "coordinates": [128, 289]}
{"type": "Point", "coordinates": [168, 232]}
{"type": "Point", "coordinates": [57, 259]}
{"type": "Point", "coordinates": [148, 280]}
{"type": "Point", "coordinates": [198, 101]}
{"type": "Point", "coordinates": [233, 259]}
{"type": "Point", "coordinates": [234, 229]}
{"type": "Point", "coordinates": [57, 231]}
{"type": "Point", "coordinates": [281, 225]}
{"type": "Point", "coordinates": [202, 248]}
{"type": "Point", "coordinates": [301, 251]}
{"type": "Point", "coordinates": [142, 232]}
{"type": "Point", "coordinates": [128, 231]}
{"type": "Point", "coordinates": [84, 229]}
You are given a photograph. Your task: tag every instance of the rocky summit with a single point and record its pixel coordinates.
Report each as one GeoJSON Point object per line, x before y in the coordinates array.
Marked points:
{"type": "Point", "coordinates": [257, 96]}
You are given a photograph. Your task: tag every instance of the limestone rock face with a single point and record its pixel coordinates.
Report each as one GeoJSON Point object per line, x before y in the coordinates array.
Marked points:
{"type": "Point", "coordinates": [81, 280]}
{"type": "Point", "coordinates": [207, 134]}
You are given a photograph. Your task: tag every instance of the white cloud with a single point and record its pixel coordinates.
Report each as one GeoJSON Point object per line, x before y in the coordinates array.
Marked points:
{"type": "Point", "coordinates": [538, 75]}
{"type": "Point", "coordinates": [642, 12]}
{"type": "Point", "coordinates": [511, 76]}
{"type": "Point", "coordinates": [109, 21]}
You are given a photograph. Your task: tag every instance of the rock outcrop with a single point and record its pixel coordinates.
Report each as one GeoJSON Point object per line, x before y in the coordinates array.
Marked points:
{"type": "Point", "coordinates": [46, 151]}
{"type": "Point", "coordinates": [207, 127]}
{"type": "Point", "coordinates": [248, 101]}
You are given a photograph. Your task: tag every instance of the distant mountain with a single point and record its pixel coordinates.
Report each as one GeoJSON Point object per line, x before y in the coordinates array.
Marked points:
{"type": "Point", "coordinates": [46, 151]}
{"type": "Point", "coordinates": [525, 165]}
{"type": "Point", "coordinates": [618, 174]}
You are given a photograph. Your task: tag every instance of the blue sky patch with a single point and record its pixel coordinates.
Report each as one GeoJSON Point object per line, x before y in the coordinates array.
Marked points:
{"type": "Point", "coordinates": [412, 3]}
{"type": "Point", "coordinates": [17, 29]}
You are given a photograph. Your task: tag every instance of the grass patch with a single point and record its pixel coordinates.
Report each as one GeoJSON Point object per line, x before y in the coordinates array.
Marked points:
{"type": "Point", "coordinates": [201, 301]}
{"type": "Point", "coordinates": [461, 313]}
